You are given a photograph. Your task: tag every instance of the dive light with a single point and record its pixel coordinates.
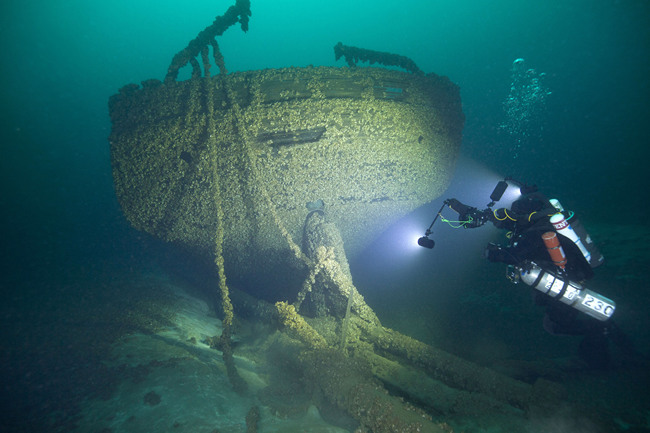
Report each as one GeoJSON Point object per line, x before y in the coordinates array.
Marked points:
{"type": "Point", "coordinates": [425, 242]}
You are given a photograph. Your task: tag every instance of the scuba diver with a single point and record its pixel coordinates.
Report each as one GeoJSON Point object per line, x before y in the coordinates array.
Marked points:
{"type": "Point", "coordinates": [548, 249]}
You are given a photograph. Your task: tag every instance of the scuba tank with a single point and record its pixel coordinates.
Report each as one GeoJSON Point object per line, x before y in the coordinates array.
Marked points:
{"type": "Point", "coordinates": [563, 227]}
{"type": "Point", "coordinates": [573, 229]}
{"type": "Point", "coordinates": [567, 292]}
{"type": "Point", "coordinates": [556, 284]}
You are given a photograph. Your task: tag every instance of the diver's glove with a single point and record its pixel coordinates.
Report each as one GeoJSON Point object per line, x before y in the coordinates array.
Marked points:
{"type": "Point", "coordinates": [477, 218]}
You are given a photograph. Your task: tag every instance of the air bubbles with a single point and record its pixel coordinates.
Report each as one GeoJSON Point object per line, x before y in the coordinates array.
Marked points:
{"type": "Point", "coordinates": [525, 105]}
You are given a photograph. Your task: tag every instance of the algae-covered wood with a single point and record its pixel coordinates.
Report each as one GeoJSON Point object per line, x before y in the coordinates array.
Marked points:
{"type": "Point", "coordinates": [372, 144]}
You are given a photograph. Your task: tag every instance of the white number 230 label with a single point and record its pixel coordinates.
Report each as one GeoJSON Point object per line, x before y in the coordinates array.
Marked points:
{"type": "Point", "coordinates": [598, 305]}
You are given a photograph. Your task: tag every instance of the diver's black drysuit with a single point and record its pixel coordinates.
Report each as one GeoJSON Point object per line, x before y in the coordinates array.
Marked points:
{"type": "Point", "coordinates": [527, 220]}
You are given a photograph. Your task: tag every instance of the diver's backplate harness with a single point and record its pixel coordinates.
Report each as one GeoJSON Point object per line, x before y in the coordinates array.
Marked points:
{"type": "Point", "coordinates": [551, 280]}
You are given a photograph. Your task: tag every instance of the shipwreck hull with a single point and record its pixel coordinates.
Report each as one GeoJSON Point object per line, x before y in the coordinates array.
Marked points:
{"type": "Point", "coordinates": [258, 150]}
